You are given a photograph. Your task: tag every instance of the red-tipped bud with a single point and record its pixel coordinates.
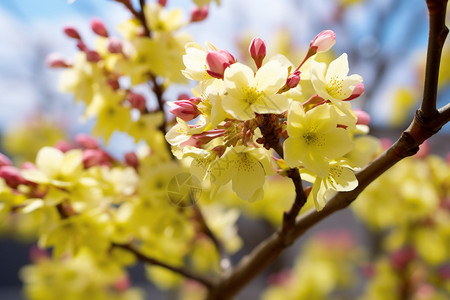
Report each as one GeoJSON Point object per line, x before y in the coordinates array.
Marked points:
{"type": "Point", "coordinates": [137, 101]}
{"type": "Point", "coordinates": [198, 14]}
{"type": "Point", "coordinates": [114, 45]}
{"type": "Point", "coordinates": [217, 62]}
{"type": "Point", "coordinates": [86, 141]}
{"type": "Point", "coordinates": [122, 284]}
{"type": "Point", "coordinates": [258, 51]}
{"type": "Point", "coordinates": [293, 79]}
{"type": "Point", "coordinates": [4, 160]}
{"type": "Point", "coordinates": [72, 32]}
{"type": "Point", "coordinates": [82, 46]}
{"type": "Point", "coordinates": [63, 146]}
{"type": "Point", "coordinates": [28, 166]}
{"type": "Point", "coordinates": [37, 254]}
{"type": "Point", "coordinates": [12, 176]}
{"type": "Point", "coordinates": [185, 110]}
{"type": "Point", "coordinates": [197, 140]}
{"type": "Point", "coordinates": [402, 257]}
{"type": "Point", "coordinates": [95, 157]}
{"type": "Point", "coordinates": [55, 60]}
{"type": "Point", "coordinates": [131, 160]}
{"type": "Point", "coordinates": [195, 100]}
{"type": "Point", "coordinates": [323, 41]}
{"type": "Point", "coordinates": [183, 96]}
{"type": "Point", "coordinates": [162, 2]}
{"type": "Point", "coordinates": [363, 117]}
{"type": "Point", "coordinates": [98, 27]}
{"type": "Point", "coordinates": [358, 90]}
{"type": "Point", "coordinates": [93, 56]}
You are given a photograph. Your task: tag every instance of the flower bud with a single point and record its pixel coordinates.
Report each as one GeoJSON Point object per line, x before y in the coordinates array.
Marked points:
{"type": "Point", "coordinates": [98, 27]}
{"type": "Point", "coordinates": [163, 3]}
{"type": "Point", "coordinates": [4, 160]}
{"type": "Point", "coordinates": [82, 46]}
{"type": "Point", "coordinates": [72, 32]}
{"type": "Point", "coordinates": [185, 110]}
{"type": "Point", "coordinates": [131, 160]}
{"type": "Point", "coordinates": [114, 45]}
{"type": "Point", "coordinates": [217, 62]}
{"type": "Point", "coordinates": [197, 140]}
{"type": "Point", "coordinates": [137, 101]}
{"type": "Point", "coordinates": [258, 51]}
{"type": "Point", "coordinates": [55, 60]}
{"type": "Point", "coordinates": [323, 41]}
{"type": "Point", "coordinates": [12, 176]}
{"type": "Point", "coordinates": [63, 146]}
{"type": "Point", "coordinates": [400, 258]}
{"type": "Point", "coordinates": [93, 56]}
{"type": "Point", "coordinates": [363, 117]}
{"type": "Point", "coordinates": [199, 13]}
{"type": "Point", "coordinates": [95, 157]}
{"type": "Point", "coordinates": [293, 79]}
{"type": "Point", "coordinates": [358, 90]}
{"type": "Point", "coordinates": [86, 141]}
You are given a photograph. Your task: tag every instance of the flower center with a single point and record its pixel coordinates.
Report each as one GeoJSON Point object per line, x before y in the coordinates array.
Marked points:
{"type": "Point", "coordinates": [335, 87]}
{"type": "Point", "coordinates": [244, 163]}
{"type": "Point", "coordinates": [252, 95]}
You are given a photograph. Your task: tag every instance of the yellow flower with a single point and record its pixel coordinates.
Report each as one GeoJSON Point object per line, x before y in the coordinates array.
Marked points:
{"type": "Point", "coordinates": [56, 168]}
{"type": "Point", "coordinates": [340, 178]}
{"type": "Point", "coordinates": [248, 93]}
{"type": "Point", "coordinates": [333, 83]}
{"type": "Point", "coordinates": [315, 138]}
{"type": "Point", "coordinates": [246, 168]}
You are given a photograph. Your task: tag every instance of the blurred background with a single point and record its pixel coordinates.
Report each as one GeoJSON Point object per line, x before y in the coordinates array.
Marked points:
{"type": "Point", "coordinates": [385, 41]}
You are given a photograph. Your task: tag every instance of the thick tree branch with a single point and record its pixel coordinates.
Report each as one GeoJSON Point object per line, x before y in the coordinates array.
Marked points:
{"type": "Point", "coordinates": [205, 281]}
{"type": "Point", "coordinates": [426, 123]}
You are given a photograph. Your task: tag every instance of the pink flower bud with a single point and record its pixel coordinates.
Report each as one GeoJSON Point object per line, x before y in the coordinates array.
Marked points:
{"type": "Point", "coordinates": [183, 96]}
{"type": "Point", "coordinates": [114, 45]}
{"type": "Point", "coordinates": [28, 166]}
{"type": "Point", "coordinates": [163, 3]}
{"type": "Point", "coordinates": [131, 160]}
{"type": "Point", "coordinates": [93, 56]}
{"type": "Point", "coordinates": [72, 32]}
{"type": "Point", "coordinates": [363, 117]}
{"type": "Point", "coordinates": [114, 83]}
{"type": "Point", "coordinates": [358, 90]}
{"type": "Point", "coordinates": [402, 257]}
{"type": "Point", "coordinates": [197, 140]}
{"type": "Point", "coordinates": [98, 27]}
{"type": "Point", "coordinates": [95, 157]}
{"type": "Point", "coordinates": [37, 254]}
{"type": "Point", "coordinates": [55, 60]}
{"type": "Point", "coordinates": [63, 146]}
{"type": "Point", "coordinates": [217, 62]}
{"type": "Point", "coordinates": [137, 101]}
{"type": "Point", "coordinates": [258, 51]}
{"type": "Point", "coordinates": [185, 110]}
{"type": "Point", "coordinates": [12, 176]}
{"type": "Point", "coordinates": [293, 79]}
{"type": "Point", "coordinates": [195, 100]}
{"type": "Point", "coordinates": [199, 13]}
{"type": "Point", "coordinates": [122, 284]}
{"type": "Point", "coordinates": [4, 160]}
{"type": "Point", "coordinates": [323, 41]}
{"type": "Point", "coordinates": [82, 46]}
{"type": "Point", "coordinates": [86, 141]}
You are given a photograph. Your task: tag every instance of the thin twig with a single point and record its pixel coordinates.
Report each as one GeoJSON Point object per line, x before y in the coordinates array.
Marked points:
{"type": "Point", "coordinates": [225, 260]}
{"type": "Point", "coordinates": [299, 201]}
{"type": "Point", "coordinates": [150, 260]}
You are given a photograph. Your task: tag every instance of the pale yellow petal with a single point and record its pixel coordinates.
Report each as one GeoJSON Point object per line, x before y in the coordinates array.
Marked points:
{"type": "Point", "coordinates": [248, 176]}
{"type": "Point", "coordinates": [271, 77]}
{"type": "Point", "coordinates": [49, 161]}
{"type": "Point", "coordinates": [273, 104]}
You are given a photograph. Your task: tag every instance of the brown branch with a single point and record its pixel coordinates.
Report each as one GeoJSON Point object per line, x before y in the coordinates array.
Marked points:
{"type": "Point", "coordinates": [225, 261]}
{"type": "Point", "coordinates": [436, 38]}
{"type": "Point", "coordinates": [207, 282]}
{"type": "Point", "coordinates": [299, 201]}
{"type": "Point", "coordinates": [427, 122]}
